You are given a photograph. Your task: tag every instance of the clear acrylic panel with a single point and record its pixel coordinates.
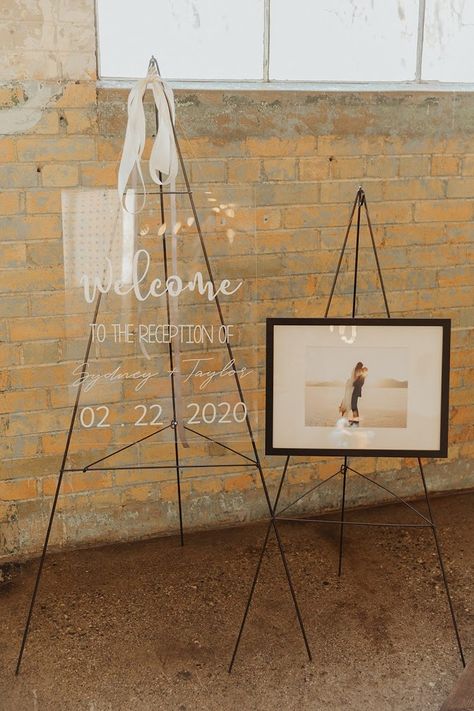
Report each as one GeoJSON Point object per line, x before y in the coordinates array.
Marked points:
{"type": "Point", "coordinates": [348, 40]}
{"type": "Point", "coordinates": [174, 293]}
{"type": "Point", "coordinates": [448, 41]}
{"type": "Point", "coordinates": [205, 40]}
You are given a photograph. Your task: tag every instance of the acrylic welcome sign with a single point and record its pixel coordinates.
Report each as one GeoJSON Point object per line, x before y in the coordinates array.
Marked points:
{"type": "Point", "coordinates": [161, 330]}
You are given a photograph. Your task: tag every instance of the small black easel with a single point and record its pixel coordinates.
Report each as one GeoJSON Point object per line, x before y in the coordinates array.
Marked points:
{"type": "Point", "coordinates": [177, 465]}
{"type": "Point", "coordinates": [276, 515]}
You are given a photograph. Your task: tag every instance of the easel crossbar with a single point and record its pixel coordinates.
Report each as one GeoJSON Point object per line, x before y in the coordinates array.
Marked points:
{"type": "Point", "coordinates": [363, 476]}
{"type": "Point", "coordinates": [157, 466]}
{"type": "Point", "coordinates": [355, 523]}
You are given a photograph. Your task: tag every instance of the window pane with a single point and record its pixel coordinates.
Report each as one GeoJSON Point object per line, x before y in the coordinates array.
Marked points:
{"type": "Point", "coordinates": [191, 39]}
{"type": "Point", "coordinates": [347, 40]}
{"type": "Point", "coordinates": [448, 40]}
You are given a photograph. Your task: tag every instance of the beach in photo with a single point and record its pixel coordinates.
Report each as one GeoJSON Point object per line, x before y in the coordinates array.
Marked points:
{"type": "Point", "coordinates": [366, 386]}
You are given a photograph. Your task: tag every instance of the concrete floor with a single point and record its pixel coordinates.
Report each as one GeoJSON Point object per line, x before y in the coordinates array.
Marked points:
{"type": "Point", "coordinates": [151, 626]}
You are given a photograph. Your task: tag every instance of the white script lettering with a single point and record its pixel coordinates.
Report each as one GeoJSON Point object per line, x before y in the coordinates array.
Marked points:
{"type": "Point", "coordinates": [173, 285]}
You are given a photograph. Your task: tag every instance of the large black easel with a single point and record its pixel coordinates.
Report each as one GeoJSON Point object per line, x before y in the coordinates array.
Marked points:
{"type": "Point", "coordinates": [277, 516]}
{"type": "Point", "coordinates": [246, 461]}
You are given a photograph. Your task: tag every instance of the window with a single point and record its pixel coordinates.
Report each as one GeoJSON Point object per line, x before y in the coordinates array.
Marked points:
{"type": "Point", "coordinates": [276, 41]}
{"type": "Point", "coordinates": [448, 42]}
{"type": "Point", "coordinates": [191, 39]}
{"type": "Point", "coordinates": [346, 40]}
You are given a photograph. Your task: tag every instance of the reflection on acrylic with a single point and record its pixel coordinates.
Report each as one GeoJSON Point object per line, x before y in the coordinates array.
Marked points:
{"type": "Point", "coordinates": [171, 307]}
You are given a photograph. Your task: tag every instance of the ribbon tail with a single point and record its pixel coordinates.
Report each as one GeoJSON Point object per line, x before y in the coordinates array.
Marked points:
{"type": "Point", "coordinates": [134, 144]}
{"type": "Point", "coordinates": [163, 158]}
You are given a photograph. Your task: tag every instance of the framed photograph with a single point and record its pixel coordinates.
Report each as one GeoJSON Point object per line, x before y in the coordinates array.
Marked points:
{"type": "Point", "coordinates": [366, 387]}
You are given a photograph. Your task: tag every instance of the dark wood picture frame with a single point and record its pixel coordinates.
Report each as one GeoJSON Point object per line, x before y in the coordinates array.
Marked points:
{"type": "Point", "coordinates": [442, 451]}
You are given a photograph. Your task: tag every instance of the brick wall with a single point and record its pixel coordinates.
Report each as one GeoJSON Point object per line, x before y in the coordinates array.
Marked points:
{"type": "Point", "coordinates": [305, 153]}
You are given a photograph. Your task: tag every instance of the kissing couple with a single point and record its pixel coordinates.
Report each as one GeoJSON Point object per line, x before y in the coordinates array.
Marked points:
{"type": "Point", "coordinates": [352, 393]}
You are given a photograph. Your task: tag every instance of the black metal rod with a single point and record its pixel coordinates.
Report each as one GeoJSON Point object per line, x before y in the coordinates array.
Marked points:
{"type": "Point", "coordinates": [337, 522]}
{"type": "Point", "coordinates": [217, 302]}
{"type": "Point", "coordinates": [219, 310]}
{"type": "Point", "coordinates": [58, 485]}
{"type": "Point", "coordinates": [250, 597]}
{"type": "Point", "coordinates": [280, 486]}
{"type": "Point", "coordinates": [392, 493]}
{"type": "Point", "coordinates": [343, 510]}
{"type": "Point", "coordinates": [158, 466]}
{"type": "Point", "coordinates": [285, 562]}
{"type": "Point", "coordinates": [210, 439]}
{"type": "Point", "coordinates": [360, 195]}
{"type": "Point", "coordinates": [359, 198]}
{"type": "Point", "coordinates": [341, 255]}
{"type": "Point", "coordinates": [122, 449]}
{"type": "Point", "coordinates": [379, 270]}
{"type": "Point", "coordinates": [170, 347]}
{"type": "Point", "coordinates": [291, 586]}
{"type": "Point", "coordinates": [441, 565]}
{"type": "Point", "coordinates": [173, 386]}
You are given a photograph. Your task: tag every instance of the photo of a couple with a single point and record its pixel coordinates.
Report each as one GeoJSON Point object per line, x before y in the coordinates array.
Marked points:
{"type": "Point", "coordinates": [342, 390]}
{"type": "Point", "coordinates": [349, 407]}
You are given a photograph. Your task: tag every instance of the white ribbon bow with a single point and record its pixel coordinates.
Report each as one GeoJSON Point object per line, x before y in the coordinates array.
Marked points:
{"type": "Point", "coordinates": [163, 157]}
{"type": "Point", "coordinates": [163, 162]}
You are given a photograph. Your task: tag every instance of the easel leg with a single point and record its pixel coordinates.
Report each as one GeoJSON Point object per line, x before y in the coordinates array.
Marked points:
{"type": "Point", "coordinates": [358, 202]}
{"type": "Point", "coordinates": [441, 565]}
{"type": "Point", "coordinates": [58, 486]}
{"type": "Point", "coordinates": [38, 574]}
{"type": "Point", "coordinates": [343, 510]}
{"type": "Point", "coordinates": [249, 601]}
{"type": "Point", "coordinates": [171, 364]}
{"type": "Point", "coordinates": [178, 484]}
{"type": "Point", "coordinates": [292, 590]}
{"type": "Point", "coordinates": [273, 523]}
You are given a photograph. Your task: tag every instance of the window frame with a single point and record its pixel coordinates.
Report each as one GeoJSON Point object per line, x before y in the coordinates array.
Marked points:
{"type": "Point", "coordinates": [266, 84]}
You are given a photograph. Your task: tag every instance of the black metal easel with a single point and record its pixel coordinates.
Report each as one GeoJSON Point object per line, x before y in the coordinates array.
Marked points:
{"type": "Point", "coordinates": [248, 461]}
{"type": "Point", "coordinates": [276, 516]}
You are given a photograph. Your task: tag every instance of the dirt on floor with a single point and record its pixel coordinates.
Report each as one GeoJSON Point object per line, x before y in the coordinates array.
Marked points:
{"type": "Point", "coordinates": [151, 626]}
